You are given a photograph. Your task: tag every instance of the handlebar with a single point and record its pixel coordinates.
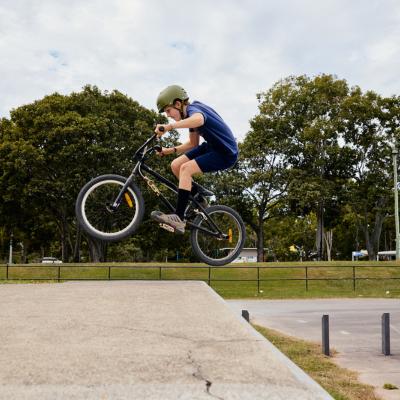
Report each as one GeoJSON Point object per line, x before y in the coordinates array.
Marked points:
{"type": "Point", "coordinates": [148, 141]}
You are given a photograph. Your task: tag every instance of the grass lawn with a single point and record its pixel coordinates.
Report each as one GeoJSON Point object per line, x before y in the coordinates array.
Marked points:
{"type": "Point", "coordinates": [341, 383]}
{"type": "Point", "coordinates": [278, 281]}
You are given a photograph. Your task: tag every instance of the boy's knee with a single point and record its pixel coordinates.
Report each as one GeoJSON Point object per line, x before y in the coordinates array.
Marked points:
{"type": "Point", "coordinates": [185, 168]}
{"type": "Point", "coordinates": [175, 166]}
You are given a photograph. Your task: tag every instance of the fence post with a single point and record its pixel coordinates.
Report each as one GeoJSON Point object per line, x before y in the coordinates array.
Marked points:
{"type": "Point", "coordinates": [58, 273]}
{"type": "Point", "coordinates": [109, 271]}
{"type": "Point", "coordinates": [159, 274]}
{"type": "Point", "coordinates": [258, 279]}
{"type": "Point", "coordinates": [386, 334]}
{"type": "Point", "coordinates": [325, 335]}
{"type": "Point", "coordinates": [354, 278]}
{"type": "Point", "coordinates": [209, 276]}
{"type": "Point", "coordinates": [246, 315]}
{"type": "Point", "coordinates": [7, 272]}
{"type": "Point", "coordinates": [306, 279]}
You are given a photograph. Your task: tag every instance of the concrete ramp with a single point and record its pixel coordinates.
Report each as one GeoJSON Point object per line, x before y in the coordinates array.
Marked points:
{"type": "Point", "coordinates": [136, 340]}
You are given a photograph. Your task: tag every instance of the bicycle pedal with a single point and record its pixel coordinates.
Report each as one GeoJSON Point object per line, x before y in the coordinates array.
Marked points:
{"type": "Point", "coordinates": [167, 227]}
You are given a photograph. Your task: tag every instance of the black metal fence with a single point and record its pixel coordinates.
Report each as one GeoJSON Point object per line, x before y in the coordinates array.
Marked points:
{"type": "Point", "coordinates": [9, 272]}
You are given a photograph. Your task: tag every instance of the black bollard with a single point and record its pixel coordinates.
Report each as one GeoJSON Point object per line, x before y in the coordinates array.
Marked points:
{"type": "Point", "coordinates": [325, 335]}
{"type": "Point", "coordinates": [245, 315]}
{"type": "Point", "coordinates": [386, 334]}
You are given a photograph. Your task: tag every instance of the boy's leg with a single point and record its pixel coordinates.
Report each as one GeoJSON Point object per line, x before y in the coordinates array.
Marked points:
{"type": "Point", "coordinates": [176, 169]}
{"type": "Point", "coordinates": [177, 163]}
{"type": "Point", "coordinates": [187, 170]}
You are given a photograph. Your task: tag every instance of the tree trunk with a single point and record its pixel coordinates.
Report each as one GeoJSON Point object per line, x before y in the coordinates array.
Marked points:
{"type": "Point", "coordinates": [328, 236]}
{"type": "Point", "coordinates": [369, 245]}
{"type": "Point", "coordinates": [77, 247]}
{"type": "Point", "coordinates": [319, 242]}
{"type": "Point", "coordinates": [260, 239]}
{"type": "Point", "coordinates": [64, 239]}
{"type": "Point", "coordinates": [96, 250]}
{"type": "Point", "coordinates": [260, 245]}
{"type": "Point", "coordinates": [24, 252]}
{"type": "Point", "coordinates": [372, 239]}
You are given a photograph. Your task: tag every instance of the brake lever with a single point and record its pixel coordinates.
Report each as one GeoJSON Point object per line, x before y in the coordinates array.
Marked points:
{"type": "Point", "coordinates": [158, 147]}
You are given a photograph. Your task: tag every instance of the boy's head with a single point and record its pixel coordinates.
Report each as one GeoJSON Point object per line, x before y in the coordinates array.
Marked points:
{"type": "Point", "coordinates": [172, 97]}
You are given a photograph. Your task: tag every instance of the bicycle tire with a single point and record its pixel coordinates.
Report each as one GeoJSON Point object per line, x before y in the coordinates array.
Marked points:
{"type": "Point", "coordinates": [194, 236]}
{"type": "Point", "coordinates": [96, 233]}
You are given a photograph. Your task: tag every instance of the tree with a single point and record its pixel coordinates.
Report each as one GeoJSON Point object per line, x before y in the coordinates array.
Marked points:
{"type": "Point", "coordinates": [258, 181]}
{"type": "Point", "coordinates": [370, 131]}
{"type": "Point", "coordinates": [51, 147]}
{"type": "Point", "coordinates": [307, 120]}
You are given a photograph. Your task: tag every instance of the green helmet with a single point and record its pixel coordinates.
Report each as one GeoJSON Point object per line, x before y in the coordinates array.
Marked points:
{"type": "Point", "coordinates": [169, 95]}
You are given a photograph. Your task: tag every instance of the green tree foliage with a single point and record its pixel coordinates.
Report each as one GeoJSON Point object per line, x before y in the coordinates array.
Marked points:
{"type": "Point", "coordinates": [317, 157]}
{"type": "Point", "coordinates": [370, 132]}
{"type": "Point", "coordinates": [52, 147]}
{"type": "Point", "coordinates": [294, 145]}
{"type": "Point", "coordinates": [259, 180]}
{"type": "Point", "coordinates": [317, 146]}
{"type": "Point", "coordinates": [290, 230]}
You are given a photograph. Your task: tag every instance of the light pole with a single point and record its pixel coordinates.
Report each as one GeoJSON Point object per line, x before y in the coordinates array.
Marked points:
{"type": "Point", "coordinates": [11, 249]}
{"type": "Point", "coordinates": [396, 201]}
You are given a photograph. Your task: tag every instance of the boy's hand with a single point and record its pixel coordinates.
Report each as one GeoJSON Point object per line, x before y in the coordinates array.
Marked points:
{"type": "Point", "coordinates": [166, 151]}
{"type": "Point", "coordinates": [162, 128]}
{"type": "Point", "coordinates": [162, 152]}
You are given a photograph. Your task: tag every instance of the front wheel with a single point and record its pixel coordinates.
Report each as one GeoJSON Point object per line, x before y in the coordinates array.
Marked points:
{"type": "Point", "coordinates": [224, 248]}
{"type": "Point", "coordinates": [96, 215]}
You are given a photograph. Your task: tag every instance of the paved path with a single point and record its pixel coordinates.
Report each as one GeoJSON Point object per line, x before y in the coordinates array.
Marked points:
{"type": "Point", "coordinates": [355, 331]}
{"type": "Point", "coordinates": [136, 340]}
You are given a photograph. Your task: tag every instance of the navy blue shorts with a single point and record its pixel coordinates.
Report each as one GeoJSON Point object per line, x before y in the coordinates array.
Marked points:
{"type": "Point", "coordinates": [210, 160]}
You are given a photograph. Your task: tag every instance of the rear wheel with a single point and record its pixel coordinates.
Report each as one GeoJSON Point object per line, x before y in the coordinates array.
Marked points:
{"type": "Point", "coordinates": [95, 213]}
{"type": "Point", "coordinates": [224, 248]}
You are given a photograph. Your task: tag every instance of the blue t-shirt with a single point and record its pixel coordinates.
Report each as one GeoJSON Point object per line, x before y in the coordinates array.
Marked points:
{"type": "Point", "coordinates": [214, 131]}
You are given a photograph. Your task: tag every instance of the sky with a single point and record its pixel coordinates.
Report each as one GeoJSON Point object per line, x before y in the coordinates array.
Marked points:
{"type": "Point", "coordinates": [222, 52]}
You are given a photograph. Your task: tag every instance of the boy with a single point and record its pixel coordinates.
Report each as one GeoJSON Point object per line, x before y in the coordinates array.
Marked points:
{"type": "Point", "coordinates": [219, 150]}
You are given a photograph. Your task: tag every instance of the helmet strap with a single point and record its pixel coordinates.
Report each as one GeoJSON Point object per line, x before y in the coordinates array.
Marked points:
{"type": "Point", "coordinates": [182, 114]}
{"type": "Point", "coordinates": [181, 111]}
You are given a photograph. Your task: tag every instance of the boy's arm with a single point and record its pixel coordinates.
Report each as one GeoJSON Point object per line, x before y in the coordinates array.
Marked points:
{"type": "Point", "coordinates": [194, 121]}
{"type": "Point", "coordinates": [194, 140]}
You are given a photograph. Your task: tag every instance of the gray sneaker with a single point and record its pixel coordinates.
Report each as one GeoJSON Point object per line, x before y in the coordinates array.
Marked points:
{"type": "Point", "coordinates": [171, 220]}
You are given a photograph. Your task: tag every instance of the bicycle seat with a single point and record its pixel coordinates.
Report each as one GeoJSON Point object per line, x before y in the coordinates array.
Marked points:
{"type": "Point", "coordinates": [203, 191]}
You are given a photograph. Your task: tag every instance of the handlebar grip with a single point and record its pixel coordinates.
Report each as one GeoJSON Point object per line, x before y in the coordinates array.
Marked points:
{"type": "Point", "coordinates": [158, 148]}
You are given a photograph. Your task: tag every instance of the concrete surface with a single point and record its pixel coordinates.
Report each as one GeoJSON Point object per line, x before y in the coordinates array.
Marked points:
{"type": "Point", "coordinates": [355, 332]}
{"type": "Point", "coordinates": [136, 340]}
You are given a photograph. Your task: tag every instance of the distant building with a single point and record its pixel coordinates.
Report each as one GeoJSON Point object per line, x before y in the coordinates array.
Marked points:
{"type": "Point", "coordinates": [248, 254]}
{"type": "Point", "coordinates": [355, 255]}
{"type": "Point", "coordinates": [386, 255]}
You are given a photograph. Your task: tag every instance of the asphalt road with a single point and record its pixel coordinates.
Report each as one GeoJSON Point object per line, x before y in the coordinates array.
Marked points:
{"type": "Point", "coordinates": [355, 332]}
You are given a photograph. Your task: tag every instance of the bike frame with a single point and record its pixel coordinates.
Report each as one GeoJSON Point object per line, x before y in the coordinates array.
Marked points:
{"type": "Point", "coordinates": [140, 156]}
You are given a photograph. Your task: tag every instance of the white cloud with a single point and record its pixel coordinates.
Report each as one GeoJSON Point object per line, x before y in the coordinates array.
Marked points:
{"type": "Point", "coordinates": [223, 52]}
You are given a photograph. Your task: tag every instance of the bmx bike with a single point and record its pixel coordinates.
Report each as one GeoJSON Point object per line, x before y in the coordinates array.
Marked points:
{"type": "Point", "coordinates": [111, 208]}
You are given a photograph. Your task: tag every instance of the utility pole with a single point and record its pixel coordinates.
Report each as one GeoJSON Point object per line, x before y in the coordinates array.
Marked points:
{"type": "Point", "coordinates": [396, 201]}
{"type": "Point", "coordinates": [11, 249]}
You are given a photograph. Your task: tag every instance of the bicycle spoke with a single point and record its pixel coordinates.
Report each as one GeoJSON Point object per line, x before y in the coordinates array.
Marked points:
{"type": "Point", "coordinates": [217, 248]}
{"type": "Point", "coordinates": [98, 208]}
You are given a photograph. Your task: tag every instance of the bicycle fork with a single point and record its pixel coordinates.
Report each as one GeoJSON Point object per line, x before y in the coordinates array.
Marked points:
{"type": "Point", "coordinates": [118, 200]}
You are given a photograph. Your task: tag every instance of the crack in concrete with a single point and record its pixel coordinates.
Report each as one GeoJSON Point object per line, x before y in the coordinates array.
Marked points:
{"type": "Point", "coordinates": [199, 375]}
{"type": "Point", "coordinates": [181, 337]}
